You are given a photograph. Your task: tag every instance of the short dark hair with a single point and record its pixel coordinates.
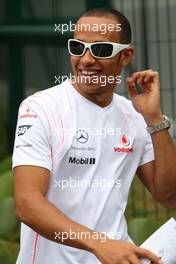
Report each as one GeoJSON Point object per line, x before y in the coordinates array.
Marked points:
{"type": "Point", "coordinates": [125, 33]}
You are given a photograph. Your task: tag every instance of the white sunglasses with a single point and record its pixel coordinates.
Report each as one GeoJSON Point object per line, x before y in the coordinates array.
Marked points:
{"type": "Point", "coordinates": [99, 50]}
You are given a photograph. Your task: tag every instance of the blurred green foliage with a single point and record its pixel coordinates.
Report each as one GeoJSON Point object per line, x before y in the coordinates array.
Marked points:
{"type": "Point", "coordinates": [8, 252]}
{"type": "Point", "coordinates": [5, 165]}
{"type": "Point", "coordinates": [3, 134]}
{"type": "Point", "coordinates": [9, 225]}
{"type": "Point", "coordinates": [141, 228]}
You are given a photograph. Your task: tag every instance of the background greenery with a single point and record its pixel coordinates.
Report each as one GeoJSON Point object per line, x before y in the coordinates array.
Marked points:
{"type": "Point", "coordinates": [9, 225]}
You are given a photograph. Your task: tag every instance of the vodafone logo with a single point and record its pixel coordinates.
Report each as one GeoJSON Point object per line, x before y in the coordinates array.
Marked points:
{"type": "Point", "coordinates": [28, 114]}
{"type": "Point", "coordinates": [123, 149]}
{"type": "Point", "coordinates": [125, 142]}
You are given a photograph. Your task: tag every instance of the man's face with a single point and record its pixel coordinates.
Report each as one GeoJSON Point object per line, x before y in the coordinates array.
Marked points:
{"type": "Point", "coordinates": [89, 68]}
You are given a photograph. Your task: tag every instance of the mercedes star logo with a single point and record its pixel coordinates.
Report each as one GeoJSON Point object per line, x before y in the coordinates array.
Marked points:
{"type": "Point", "coordinates": [82, 136]}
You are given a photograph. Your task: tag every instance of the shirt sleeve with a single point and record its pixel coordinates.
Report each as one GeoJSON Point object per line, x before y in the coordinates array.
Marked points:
{"type": "Point", "coordinates": [148, 153]}
{"type": "Point", "coordinates": [32, 144]}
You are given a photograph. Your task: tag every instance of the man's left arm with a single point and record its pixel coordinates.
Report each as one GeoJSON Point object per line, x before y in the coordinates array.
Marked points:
{"type": "Point", "coordinates": [159, 176]}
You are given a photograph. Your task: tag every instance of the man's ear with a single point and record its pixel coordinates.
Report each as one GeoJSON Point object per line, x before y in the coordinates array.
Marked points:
{"type": "Point", "coordinates": [126, 56]}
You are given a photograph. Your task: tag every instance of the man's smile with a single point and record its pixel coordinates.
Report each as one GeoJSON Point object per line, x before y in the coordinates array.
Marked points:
{"type": "Point", "coordinates": [89, 72]}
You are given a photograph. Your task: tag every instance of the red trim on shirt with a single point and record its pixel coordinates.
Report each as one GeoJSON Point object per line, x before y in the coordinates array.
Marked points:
{"type": "Point", "coordinates": [35, 248]}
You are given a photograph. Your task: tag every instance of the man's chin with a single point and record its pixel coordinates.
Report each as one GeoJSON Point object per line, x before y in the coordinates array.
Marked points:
{"type": "Point", "coordinates": [91, 87]}
{"type": "Point", "coordinates": [88, 83]}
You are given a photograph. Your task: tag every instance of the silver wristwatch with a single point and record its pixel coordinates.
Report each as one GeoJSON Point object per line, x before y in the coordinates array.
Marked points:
{"type": "Point", "coordinates": [166, 123]}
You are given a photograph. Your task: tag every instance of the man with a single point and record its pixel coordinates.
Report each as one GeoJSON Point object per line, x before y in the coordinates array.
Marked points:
{"type": "Point", "coordinates": [60, 162]}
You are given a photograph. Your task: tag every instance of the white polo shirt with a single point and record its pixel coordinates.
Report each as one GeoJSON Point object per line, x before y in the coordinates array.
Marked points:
{"type": "Point", "coordinates": [92, 154]}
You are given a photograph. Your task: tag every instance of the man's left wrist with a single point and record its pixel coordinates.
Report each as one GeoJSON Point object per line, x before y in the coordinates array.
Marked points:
{"type": "Point", "coordinates": [153, 119]}
{"type": "Point", "coordinates": [158, 126]}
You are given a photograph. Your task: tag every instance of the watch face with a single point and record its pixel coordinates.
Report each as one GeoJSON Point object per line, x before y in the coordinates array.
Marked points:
{"type": "Point", "coordinates": [166, 123]}
{"type": "Point", "coordinates": [166, 118]}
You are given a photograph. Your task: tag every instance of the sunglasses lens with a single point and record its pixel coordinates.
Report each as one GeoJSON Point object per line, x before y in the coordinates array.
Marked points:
{"type": "Point", "coordinates": [102, 50]}
{"type": "Point", "coordinates": [76, 47]}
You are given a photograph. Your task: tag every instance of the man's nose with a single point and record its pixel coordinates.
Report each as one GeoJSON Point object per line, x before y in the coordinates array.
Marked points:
{"type": "Point", "coordinates": [87, 58]}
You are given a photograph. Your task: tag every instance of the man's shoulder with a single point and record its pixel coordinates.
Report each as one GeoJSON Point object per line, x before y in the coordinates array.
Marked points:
{"type": "Point", "coordinates": [50, 97]}
{"type": "Point", "coordinates": [51, 93]}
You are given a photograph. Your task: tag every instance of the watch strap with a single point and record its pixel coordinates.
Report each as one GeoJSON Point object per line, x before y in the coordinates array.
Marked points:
{"type": "Point", "coordinates": [165, 124]}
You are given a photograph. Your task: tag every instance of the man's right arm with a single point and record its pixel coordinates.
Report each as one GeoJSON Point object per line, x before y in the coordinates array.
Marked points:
{"type": "Point", "coordinates": [35, 210]}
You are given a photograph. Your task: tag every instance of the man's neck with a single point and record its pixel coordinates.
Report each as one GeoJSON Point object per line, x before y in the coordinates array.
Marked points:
{"type": "Point", "coordinates": [101, 99]}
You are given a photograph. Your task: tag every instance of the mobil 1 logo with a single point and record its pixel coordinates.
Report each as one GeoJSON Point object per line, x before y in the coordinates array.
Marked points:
{"type": "Point", "coordinates": [82, 161]}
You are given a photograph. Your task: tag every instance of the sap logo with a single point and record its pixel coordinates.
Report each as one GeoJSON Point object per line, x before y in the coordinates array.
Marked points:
{"type": "Point", "coordinates": [23, 129]}
{"type": "Point", "coordinates": [82, 161]}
